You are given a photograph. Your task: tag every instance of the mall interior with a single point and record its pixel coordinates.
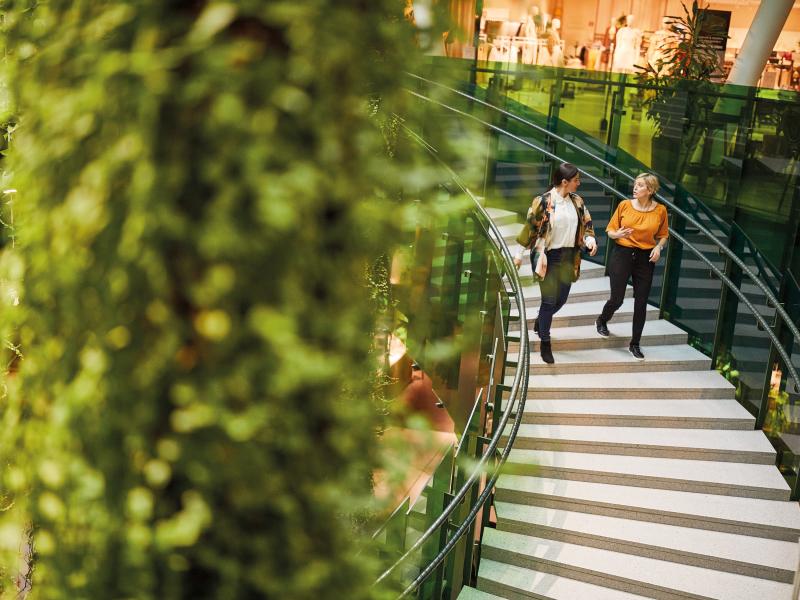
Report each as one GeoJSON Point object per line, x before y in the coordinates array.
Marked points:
{"type": "Point", "coordinates": [599, 477]}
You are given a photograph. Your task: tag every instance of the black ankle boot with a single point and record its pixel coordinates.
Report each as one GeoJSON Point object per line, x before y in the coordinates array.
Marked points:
{"type": "Point", "coordinates": [546, 351]}
{"type": "Point", "coordinates": [602, 327]}
{"type": "Point", "coordinates": [636, 351]}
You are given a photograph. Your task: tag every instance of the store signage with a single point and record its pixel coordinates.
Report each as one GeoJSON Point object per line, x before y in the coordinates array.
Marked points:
{"type": "Point", "coordinates": [714, 28]}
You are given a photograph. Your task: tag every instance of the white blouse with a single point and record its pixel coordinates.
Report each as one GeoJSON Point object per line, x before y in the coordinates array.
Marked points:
{"type": "Point", "coordinates": [563, 222]}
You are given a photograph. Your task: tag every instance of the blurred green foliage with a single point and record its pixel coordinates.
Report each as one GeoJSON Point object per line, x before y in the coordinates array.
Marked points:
{"type": "Point", "coordinates": [201, 189]}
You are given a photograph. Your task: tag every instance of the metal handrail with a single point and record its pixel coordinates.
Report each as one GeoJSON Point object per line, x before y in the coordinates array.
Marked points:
{"type": "Point", "coordinates": [719, 222]}
{"type": "Point", "coordinates": [519, 390]}
{"type": "Point", "coordinates": [723, 248]}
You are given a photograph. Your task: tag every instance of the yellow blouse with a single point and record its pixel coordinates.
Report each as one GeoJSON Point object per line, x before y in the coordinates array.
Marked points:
{"type": "Point", "coordinates": [648, 227]}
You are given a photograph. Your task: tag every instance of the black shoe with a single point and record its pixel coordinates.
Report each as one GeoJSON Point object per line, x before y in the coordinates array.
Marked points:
{"type": "Point", "coordinates": [536, 326]}
{"type": "Point", "coordinates": [635, 351]}
{"type": "Point", "coordinates": [547, 353]}
{"type": "Point", "coordinates": [602, 327]}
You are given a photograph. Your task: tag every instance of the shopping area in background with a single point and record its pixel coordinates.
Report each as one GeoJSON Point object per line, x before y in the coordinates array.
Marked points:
{"type": "Point", "coordinates": [608, 35]}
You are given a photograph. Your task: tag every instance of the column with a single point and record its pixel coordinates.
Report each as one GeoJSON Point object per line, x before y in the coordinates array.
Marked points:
{"type": "Point", "coordinates": [759, 42]}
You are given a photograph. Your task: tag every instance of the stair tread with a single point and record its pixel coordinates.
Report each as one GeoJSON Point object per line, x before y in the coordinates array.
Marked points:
{"type": "Point", "coordinates": [671, 353]}
{"type": "Point", "coordinates": [591, 308]}
{"type": "Point", "coordinates": [712, 408]}
{"type": "Point", "coordinates": [545, 585]}
{"type": "Point", "coordinates": [581, 332]}
{"type": "Point", "coordinates": [743, 475]}
{"type": "Point", "coordinates": [470, 593]}
{"type": "Point", "coordinates": [701, 439]}
{"type": "Point", "coordinates": [646, 380]}
{"type": "Point", "coordinates": [706, 507]}
{"type": "Point", "coordinates": [641, 571]}
{"type": "Point", "coordinates": [777, 554]}
{"type": "Point", "coordinates": [584, 285]}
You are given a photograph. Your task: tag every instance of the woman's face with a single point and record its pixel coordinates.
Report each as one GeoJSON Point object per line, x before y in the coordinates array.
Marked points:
{"type": "Point", "coordinates": [574, 183]}
{"type": "Point", "coordinates": [640, 190]}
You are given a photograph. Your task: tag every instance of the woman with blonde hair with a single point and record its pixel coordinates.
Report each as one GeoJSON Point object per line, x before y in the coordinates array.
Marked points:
{"type": "Point", "coordinates": [639, 228]}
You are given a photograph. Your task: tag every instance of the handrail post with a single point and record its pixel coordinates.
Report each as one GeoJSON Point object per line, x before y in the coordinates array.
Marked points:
{"type": "Point", "coordinates": [554, 110]}
{"type": "Point", "coordinates": [672, 266]}
{"type": "Point", "coordinates": [728, 303]}
{"type": "Point", "coordinates": [786, 340]}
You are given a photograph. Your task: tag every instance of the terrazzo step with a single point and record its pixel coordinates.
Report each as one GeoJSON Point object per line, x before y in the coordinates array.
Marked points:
{"type": "Point", "coordinates": [585, 313]}
{"type": "Point", "coordinates": [750, 447]}
{"type": "Point", "coordinates": [673, 357]}
{"type": "Point", "coordinates": [579, 337]}
{"type": "Point", "coordinates": [654, 578]}
{"type": "Point", "coordinates": [701, 476]}
{"type": "Point", "coordinates": [583, 290]}
{"type": "Point", "coordinates": [470, 593]}
{"type": "Point", "coordinates": [589, 270]}
{"type": "Point", "coordinates": [686, 414]}
{"type": "Point", "coordinates": [511, 582]}
{"type": "Point", "coordinates": [688, 384]}
{"type": "Point", "coordinates": [502, 217]}
{"type": "Point", "coordinates": [752, 556]}
{"type": "Point", "coordinates": [777, 520]}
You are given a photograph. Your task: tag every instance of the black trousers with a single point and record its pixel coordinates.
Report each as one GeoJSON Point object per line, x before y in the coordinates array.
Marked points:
{"type": "Point", "coordinates": [629, 263]}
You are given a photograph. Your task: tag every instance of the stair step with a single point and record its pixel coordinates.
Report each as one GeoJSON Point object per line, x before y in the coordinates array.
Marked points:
{"type": "Point", "coordinates": [656, 333]}
{"type": "Point", "coordinates": [734, 553]}
{"type": "Point", "coordinates": [770, 519]}
{"type": "Point", "coordinates": [589, 270]}
{"type": "Point", "coordinates": [509, 581]}
{"type": "Point", "coordinates": [751, 447]}
{"type": "Point", "coordinates": [702, 476]}
{"type": "Point", "coordinates": [583, 290]}
{"type": "Point", "coordinates": [585, 313]}
{"type": "Point", "coordinates": [655, 578]}
{"type": "Point", "coordinates": [688, 414]}
{"type": "Point", "coordinates": [688, 384]}
{"type": "Point", "coordinates": [470, 593]}
{"type": "Point", "coordinates": [503, 218]}
{"type": "Point", "coordinates": [672, 357]}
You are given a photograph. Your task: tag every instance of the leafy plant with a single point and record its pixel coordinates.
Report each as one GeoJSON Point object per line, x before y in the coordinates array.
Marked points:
{"type": "Point", "coordinates": [678, 100]}
{"type": "Point", "coordinates": [201, 186]}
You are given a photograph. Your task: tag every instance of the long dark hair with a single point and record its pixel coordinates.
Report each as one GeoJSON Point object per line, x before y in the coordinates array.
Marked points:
{"type": "Point", "coordinates": [564, 171]}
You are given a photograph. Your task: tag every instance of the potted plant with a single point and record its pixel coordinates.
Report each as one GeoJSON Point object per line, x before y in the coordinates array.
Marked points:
{"type": "Point", "coordinates": [678, 101]}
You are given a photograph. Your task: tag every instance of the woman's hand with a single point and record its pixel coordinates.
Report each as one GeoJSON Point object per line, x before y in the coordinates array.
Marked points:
{"type": "Point", "coordinates": [655, 254]}
{"type": "Point", "coordinates": [591, 245]}
{"type": "Point", "coordinates": [622, 232]}
{"type": "Point", "coordinates": [541, 265]}
{"type": "Point", "coordinates": [518, 262]}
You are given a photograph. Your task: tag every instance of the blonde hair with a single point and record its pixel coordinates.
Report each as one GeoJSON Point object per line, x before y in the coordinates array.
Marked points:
{"type": "Point", "coordinates": [650, 181]}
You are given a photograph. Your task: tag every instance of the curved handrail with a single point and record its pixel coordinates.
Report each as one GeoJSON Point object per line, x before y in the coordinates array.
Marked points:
{"type": "Point", "coordinates": [763, 264]}
{"type": "Point", "coordinates": [727, 251]}
{"type": "Point", "coordinates": [519, 390]}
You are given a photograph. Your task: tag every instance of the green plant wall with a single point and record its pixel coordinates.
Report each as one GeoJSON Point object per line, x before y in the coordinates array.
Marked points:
{"type": "Point", "coordinates": [201, 186]}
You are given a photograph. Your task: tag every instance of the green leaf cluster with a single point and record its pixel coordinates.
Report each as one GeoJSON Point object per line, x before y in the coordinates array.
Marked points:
{"type": "Point", "coordinates": [688, 63]}
{"type": "Point", "coordinates": [201, 188]}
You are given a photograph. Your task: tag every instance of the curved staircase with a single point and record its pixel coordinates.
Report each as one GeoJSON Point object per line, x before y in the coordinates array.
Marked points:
{"type": "Point", "coordinates": [631, 479]}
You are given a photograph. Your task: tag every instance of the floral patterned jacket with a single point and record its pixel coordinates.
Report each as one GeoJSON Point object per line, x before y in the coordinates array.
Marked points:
{"type": "Point", "coordinates": [539, 215]}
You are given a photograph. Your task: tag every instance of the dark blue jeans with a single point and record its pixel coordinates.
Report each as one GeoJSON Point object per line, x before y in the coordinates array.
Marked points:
{"type": "Point", "coordinates": [554, 287]}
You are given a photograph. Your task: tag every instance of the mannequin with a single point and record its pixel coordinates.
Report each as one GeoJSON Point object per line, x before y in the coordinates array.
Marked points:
{"type": "Point", "coordinates": [528, 32]}
{"type": "Point", "coordinates": [659, 44]}
{"type": "Point", "coordinates": [626, 50]}
{"type": "Point", "coordinates": [554, 44]}
{"type": "Point", "coordinates": [608, 42]}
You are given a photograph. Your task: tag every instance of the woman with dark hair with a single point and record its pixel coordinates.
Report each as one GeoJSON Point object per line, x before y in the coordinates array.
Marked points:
{"type": "Point", "coordinates": [561, 226]}
{"type": "Point", "coordinates": [639, 228]}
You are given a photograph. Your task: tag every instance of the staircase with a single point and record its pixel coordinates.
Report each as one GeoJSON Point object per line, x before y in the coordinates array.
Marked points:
{"type": "Point", "coordinates": [633, 480]}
